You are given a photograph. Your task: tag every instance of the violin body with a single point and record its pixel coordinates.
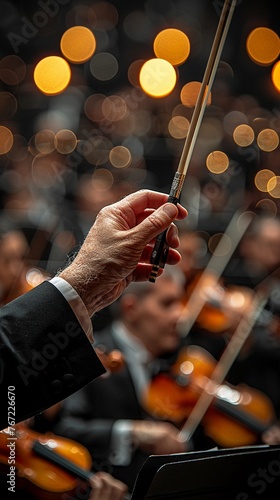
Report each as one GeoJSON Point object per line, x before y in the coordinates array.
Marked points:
{"type": "Point", "coordinates": [236, 416]}
{"type": "Point", "coordinates": [37, 472]}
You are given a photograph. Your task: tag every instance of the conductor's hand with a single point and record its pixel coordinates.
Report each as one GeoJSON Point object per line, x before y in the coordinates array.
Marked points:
{"type": "Point", "coordinates": [106, 487]}
{"type": "Point", "coordinates": [118, 247]}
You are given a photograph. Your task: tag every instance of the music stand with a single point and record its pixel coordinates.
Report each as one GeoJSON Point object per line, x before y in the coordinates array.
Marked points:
{"type": "Point", "coordinates": [243, 473]}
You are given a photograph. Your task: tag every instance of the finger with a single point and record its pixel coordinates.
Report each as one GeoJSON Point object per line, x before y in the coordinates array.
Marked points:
{"type": "Point", "coordinates": [173, 256]}
{"type": "Point", "coordinates": [271, 436]}
{"type": "Point", "coordinates": [143, 215]}
{"type": "Point", "coordinates": [106, 487]}
{"type": "Point", "coordinates": [182, 213]}
{"type": "Point", "coordinates": [155, 223]}
{"type": "Point", "coordinates": [143, 199]}
{"type": "Point", "coordinates": [101, 491]}
{"type": "Point", "coordinates": [142, 272]}
{"type": "Point", "coordinates": [96, 485]}
{"type": "Point", "coordinates": [172, 238]}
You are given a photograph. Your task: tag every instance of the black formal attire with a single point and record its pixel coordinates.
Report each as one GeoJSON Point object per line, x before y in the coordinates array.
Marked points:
{"type": "Point", "coordinates": [44, 354]}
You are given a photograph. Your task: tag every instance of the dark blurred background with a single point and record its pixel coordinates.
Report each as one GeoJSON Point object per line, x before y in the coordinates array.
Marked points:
{"type": "Point", "coordinates": [53, 195]}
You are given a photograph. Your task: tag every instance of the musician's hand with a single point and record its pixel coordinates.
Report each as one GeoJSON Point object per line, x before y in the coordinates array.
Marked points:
{"type": "Point", "coordinates": [272, 434]}
{"type": "Point", "coordinates": [157, 438]}
{"type": "Point", "coordinates": [106, 487]}
{"type": "Point", "coordinates": [118, 247]}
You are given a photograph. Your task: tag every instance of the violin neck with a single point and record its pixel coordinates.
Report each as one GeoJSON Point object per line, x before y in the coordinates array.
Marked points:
{"type": "Point", "coordinates": [44, 451]}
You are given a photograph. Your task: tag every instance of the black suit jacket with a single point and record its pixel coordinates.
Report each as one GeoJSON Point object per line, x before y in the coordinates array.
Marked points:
{"type": "Point", "coordinates": [88, 415]}
{"type": "Point", "coordinates": [44, 354]}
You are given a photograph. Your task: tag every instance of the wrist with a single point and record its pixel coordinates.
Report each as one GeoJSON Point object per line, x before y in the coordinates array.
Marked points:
{"type": "Point", "coordinates": [87, 285]}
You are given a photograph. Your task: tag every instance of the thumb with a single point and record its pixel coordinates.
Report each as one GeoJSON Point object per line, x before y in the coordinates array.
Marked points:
{"type": "Point", "coordinates": [157, 222]}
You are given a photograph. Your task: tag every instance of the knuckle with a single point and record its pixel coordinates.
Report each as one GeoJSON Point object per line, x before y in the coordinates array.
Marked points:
{"type": "Point", "coordinates": [155, 221]}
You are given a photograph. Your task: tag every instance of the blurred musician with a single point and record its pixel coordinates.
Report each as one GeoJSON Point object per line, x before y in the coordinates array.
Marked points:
{"type": "Point", "coordinates": [13, 268]}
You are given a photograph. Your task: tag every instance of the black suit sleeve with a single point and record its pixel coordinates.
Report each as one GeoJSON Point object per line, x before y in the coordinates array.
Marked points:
{"type": "Point", "coordinates": [44, 354]}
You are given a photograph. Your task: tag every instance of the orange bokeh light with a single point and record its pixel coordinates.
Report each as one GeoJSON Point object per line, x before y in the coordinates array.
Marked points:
{"type": "Point", "coordinates": [52, 75]}
{"type": "Point", "coordinates": [189, 94]}
{"type": "Point", "coordinates": [157, 77]}
{"type": "Point", "coordinates": [263, 45]}
{"type": "Point", "coordinates": [78, 44]}
{"type": "Point", "coordinates": [173, 45]}
{"type": "Point", "coordinates": [275, 75]}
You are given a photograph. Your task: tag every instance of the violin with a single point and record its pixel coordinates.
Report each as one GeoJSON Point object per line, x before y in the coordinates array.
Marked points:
{"type": "Point", "coordinates": [45, 463]}
{"type": "Point", "coordinates": [212, 305]}
{"type": "Point", "coordinates": [237, 416]}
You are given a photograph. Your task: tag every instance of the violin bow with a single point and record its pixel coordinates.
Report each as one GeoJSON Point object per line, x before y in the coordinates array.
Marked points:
{"type": "Point", "coordinates": [160, 250]}
{"type": "Point", "coordinates": [224, 364]}
{"type": "Point", "coordinates": [216, 265]}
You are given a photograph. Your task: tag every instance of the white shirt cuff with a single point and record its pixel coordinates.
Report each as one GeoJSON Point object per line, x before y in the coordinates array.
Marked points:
{"type": "Point", "coordinates": [121, 444]}
{"type": "Point", "coordinates": [75, 303]}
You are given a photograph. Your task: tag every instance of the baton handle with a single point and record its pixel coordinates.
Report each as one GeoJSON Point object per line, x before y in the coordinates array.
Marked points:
{"type": "Point", "coordinates": [160, 251]}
